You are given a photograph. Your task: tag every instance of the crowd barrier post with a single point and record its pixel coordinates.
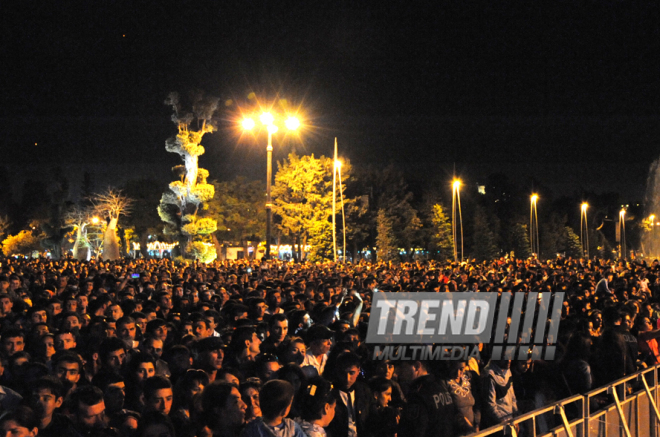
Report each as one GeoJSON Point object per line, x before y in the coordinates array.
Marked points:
{"type": "Point", "coordinates": [612, 391]}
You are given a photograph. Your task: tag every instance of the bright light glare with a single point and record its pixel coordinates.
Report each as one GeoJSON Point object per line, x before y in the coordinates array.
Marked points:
{"type": "Point", "coordinates": [338, 164]}
{"type": "Point", "coordinates": [535, 197]}
{"type": "Point", "coordinates": [456, 184]}
{"type": "Point", "coordinates": [95, 220]}
{"type": "Point", "coordinates": [585, 206]}
{"type": "Point", "coordinates": [622, 213]}
{"type": "Point", "coordinates": [267, 118]}
{"type": "Point", "coordinates": [292, 123]}
{"type": "Point", "coordinates": [652, 218]}
{"type": "Point", "coordinates": [272, 128]}
{"type": "Point", "coordinates": [248, 124]}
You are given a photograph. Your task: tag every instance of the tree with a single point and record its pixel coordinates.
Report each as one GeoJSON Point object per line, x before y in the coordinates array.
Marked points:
{"type": "Point", "coordinates": [386, 247]}
{"type": "Point", "coordinates": [442, 240]}
{"type": "Point", "coordinates": [111, 205]}
{"type": "Point", "coordinates": [55, 229]}
{"type": "Point", "coordinates": [144, 215]}
{"type": "Point", "coordinates": [484, 245]}
{"type": "Point", "coordinates": [572, 244]}
{"type": "Point", "coordinates": [24, 243]}
{"type": "Point", "coordinates": [183, 206]}
{"type": "Point", "coordinates": [239, 208]}
{"type": "Point", "coordinates": [386, 189]}
{"type": "Point", "coordinates": [5, 223]}
{"type": "Point", "coordinates": [520, 244]}
{"type": "Point", "coordinates": [80, 217]}
{"type": "Point", "coordinates": [302, 198]}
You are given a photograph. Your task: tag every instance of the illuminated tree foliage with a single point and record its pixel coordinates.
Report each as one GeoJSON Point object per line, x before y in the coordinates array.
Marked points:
{"type": "Point", "coordinates": [110, 205]}
{"type": "Point", "coordinates": [442, 241]}
{"type": "Point", "coordinates": [386, 247]}
{"type": "Point", "coordinates": [302, 199]}
{"type": "Point", "coordinates": [80, 218]}
{"type": "Point", "coordinates": [24, 243]}
{"type": "Point", "coordinates": [183, 207]}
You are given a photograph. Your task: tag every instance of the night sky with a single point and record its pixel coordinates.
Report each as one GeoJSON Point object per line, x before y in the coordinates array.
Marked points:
{"type": "Point", "coordinates": [566, 92]}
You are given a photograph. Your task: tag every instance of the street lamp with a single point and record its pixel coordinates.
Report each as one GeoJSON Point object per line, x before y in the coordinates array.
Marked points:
{"type": "Point", "coordinates": [456, 212]}
{"type": "Point", "coordinates": [622, 224]}
{"type": "Point", "coordinates": [584, 226]}
{"type": "Point", "coordinates": [268, 120]}
{"type": "Point", "coordinates": [534, 226]}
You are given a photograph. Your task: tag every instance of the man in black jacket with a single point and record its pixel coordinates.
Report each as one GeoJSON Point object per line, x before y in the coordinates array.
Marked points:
{"type": "Point", "coordinates": [353, 399]}
{"type": "Point", "coordinates": [430, 411]}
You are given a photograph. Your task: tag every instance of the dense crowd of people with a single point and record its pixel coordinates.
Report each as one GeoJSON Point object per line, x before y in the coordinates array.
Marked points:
{"type": "Point", "coordinates": [147, 348]}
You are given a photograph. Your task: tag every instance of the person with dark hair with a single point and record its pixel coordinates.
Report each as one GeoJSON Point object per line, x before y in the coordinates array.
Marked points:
{"type": "Point", "coordinates": [267, 366]}
{"type": "Point", "coordinates": [210, 356]}
{"type": "Point", "coordinates": [318, 407]}
{"type": "Point", "coordinates": [127, 331]}
{"type": "Point", "coordinates": [319, 342]}
{"type": "Point", "coordinates": [499, 398]}
{"type": "Point", "coordinates": [353, 399]}
{"type": "Point", "coordinates": [113, 355]}
{"type": "Point", "coordinates": [223, 409]}
{"type": "Point", "coordinates": [275, 398]}
{"type": "Point", "coordinates": [65, 340]}
{"type": "Point", "coordinates": [574, 365]}
{"type": "Point", "coordinates": [430, 409]}
{"type": "Point", "coordinates": [250, 394]}
{"type": "Point", "coordinates": [155, 346]}
{"type": "Point", "coordinates": [187, 389]}
{"type": "Point", "coordinates": [383, 419]}
{"type": "Point", "coordinates": [13, 341]}
{"type": "Point", "coordinates": [295, 351]}
{"type": "Point", "coordinates": [22, 422]}
{"type": "Point", "coordinates": [468, 417]}
{"type": "Point", "coordinates": [68, 367]}
{"type": "Point", "coordinates": [155, 424]}
{"type": "Point", "coordinates": [114, 391]}
{"type": "Point", "coordinates": [278, 338]}
{"type": "Point", "coordinates": [158, 395]}
{"type": "Point", "coordinates": [47, 397]}
{"type": "Point", "coordinates": [244, 348]}
{"type": "Point", "coordinates": [87, 409]}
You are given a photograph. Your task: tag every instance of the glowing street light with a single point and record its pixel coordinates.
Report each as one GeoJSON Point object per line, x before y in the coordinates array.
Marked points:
{"type": "Point", "coordinates": [95, 220]}
{"type": "Point", "coordinates": [268, 120]}
{"type": "Point", "coordinates": [534, 225]}
{"type": "Point", "coordinates": [584, 226]}
{"type": "Point", "coordinates": [456, 212]}
{"type": "Point", "coordinates": [622, 227]}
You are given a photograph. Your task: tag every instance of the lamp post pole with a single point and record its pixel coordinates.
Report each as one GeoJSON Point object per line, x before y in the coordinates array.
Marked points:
{"type": "Point", "coordinates": [269, 203]}
{"type": "Point", "coordinates": [268, 120]}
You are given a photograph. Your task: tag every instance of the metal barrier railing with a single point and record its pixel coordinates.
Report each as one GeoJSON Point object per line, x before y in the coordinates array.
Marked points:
{"type": "Point", "coordinates": [627, 407]}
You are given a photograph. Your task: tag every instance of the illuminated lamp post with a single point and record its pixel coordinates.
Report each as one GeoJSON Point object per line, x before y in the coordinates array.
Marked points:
{"type": "Point", "coordinates": [622, 227]}
{"type": "Point", "coordinates": [456, 213]}
{"type": "Point", "coordinates": [268, 120]}
{"type": "Point", "coordinates": [584, 227]}
{"type": "Point", "coordinates": [534, 226]}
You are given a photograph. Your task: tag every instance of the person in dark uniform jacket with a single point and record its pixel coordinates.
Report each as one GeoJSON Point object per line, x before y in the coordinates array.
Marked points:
{"type": "Point", "coordinates": [353, 399]}
{"type": "Point", "coordinates": [430, 411]}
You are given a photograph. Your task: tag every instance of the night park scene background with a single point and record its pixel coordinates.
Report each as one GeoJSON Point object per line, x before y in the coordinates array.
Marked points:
{"type": "Point", "coordinates": [556, 100]}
